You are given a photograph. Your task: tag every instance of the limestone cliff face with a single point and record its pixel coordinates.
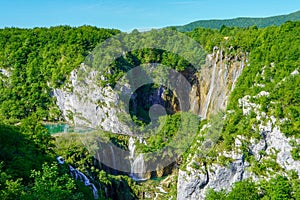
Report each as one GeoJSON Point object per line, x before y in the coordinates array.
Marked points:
{"type": "Point", "coordinates": [193, 183]}
{"type": "Point", "coordinates": [84, 103]}
{"type": "Point", "coordinates": [215, 81]}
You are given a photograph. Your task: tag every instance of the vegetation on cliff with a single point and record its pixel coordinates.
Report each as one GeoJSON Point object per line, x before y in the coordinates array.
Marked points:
{"type": "Point", "coordinates": [272, 71]}
{"type": "Point", "coordinates": [38, 59]}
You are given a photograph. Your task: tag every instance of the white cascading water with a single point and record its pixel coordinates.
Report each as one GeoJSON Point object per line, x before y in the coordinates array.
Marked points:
{"type": "Point", "coordinates": [138, 168]}
{"type": "Point", "coordinates": [137, 163]}
{"type": "Point", "coordinates": [211, 88]}
{"type": "Point", "coordinates": [131, 148]}
{"type": "Point", "coordinates": [78, 175]}
{"type": "Point", "coordinates": [98, 157]}
{"type": "Point", "coordinates": [221, 64]}
{"type": "Point", "coordinates": [218, 81]}
{"type": "Point", "coordinates": [236, 74]}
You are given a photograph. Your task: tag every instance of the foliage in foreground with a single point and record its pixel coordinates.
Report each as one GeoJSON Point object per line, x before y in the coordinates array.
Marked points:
{"type": "Point", "coordinates": [279, 187]}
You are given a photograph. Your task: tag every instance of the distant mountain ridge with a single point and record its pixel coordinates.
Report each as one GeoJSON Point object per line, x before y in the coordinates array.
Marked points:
{"type": "Point", "coordinates": [241, 22]}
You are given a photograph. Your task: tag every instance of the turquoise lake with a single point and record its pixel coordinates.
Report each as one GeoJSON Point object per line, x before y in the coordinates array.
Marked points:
{"type": "Point", "coordinates": [65, 128]}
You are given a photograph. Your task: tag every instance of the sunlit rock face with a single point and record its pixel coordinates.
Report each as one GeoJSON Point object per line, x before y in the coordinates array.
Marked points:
{"type": "Point", "coordinates": [84, 102]}
{"type": "Point", "coordinates": [215, 81]}
{"type": "Point", "coordinates": [194, 182]}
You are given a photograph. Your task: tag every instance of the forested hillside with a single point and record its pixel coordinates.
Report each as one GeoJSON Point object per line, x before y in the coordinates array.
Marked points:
{"type": "Point", "coordinates": [34, 61]}
{"type": "Point", "coordinates": [242, 22]}
{"type": "Point", "coordinates": [274, 55]}
{"type": "Point", "coordinates": [273, 69]}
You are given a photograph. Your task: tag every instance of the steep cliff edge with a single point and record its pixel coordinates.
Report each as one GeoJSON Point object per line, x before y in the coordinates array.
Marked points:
{"type": "Point", "coordinates": [255, 157]}
{"type": "Point", "coordinates": [215, 80]}
{"type": "Point", "coordinates": [84, 103]}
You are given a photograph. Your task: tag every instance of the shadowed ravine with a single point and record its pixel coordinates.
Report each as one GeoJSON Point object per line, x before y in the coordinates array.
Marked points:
{"type": "Point", "coordinates": [209, 94]}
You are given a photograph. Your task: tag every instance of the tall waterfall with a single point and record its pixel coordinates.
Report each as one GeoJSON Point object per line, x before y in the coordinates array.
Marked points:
{"type": "Point", "coordinates": [211, 88]}
{"type": "Point", "coordinates": [215, 81]}
{"type": "Point", "coordinates": [236, 74]}
{"type": "Point", "coordinates": [78, 175]}
{"type": "Point", "coordinates": [138, 167]}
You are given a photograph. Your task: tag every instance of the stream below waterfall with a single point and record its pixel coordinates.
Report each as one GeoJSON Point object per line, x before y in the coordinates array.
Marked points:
{"type": "Point", "coordinates": [78, 175]}
{"type": "Point", "coordinates": [54, 128]}
{"type": "Point", "coordinates": [137, 162]}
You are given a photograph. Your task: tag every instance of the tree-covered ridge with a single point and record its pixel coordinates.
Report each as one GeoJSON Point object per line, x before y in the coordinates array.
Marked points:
{"type": "Point", "coordinates": [271, 81]}
{"type": "Point", "coordinates": [121, 53]}
{"type": "Point", "coordinates": [273, 55]}
{"type": "Point", "coordinates": [38, 59]}
{"type": "Point", "coordinates": [28, 169]}
{"type": "Point", "coordinates": [242, 22]}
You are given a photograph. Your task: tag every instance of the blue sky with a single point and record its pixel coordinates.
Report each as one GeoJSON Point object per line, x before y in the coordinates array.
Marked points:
{"type": "Point", "coordinates": [130, 14]}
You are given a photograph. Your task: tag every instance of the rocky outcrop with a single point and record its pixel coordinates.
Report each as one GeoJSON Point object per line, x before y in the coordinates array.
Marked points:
{"type": "Point", "coordinates": [84, 103]}
{"type": "Point", "coordinates": [215, 81]}
{"type": "Point", "coordinates": [194, 182]}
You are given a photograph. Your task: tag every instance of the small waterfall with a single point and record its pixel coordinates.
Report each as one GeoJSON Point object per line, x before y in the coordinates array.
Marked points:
{"type": "Point", "coordinates": [78, 175]}
{"type": "Point", "coordinates": [221, 59]}
{"type": "Point", "coordinates": [211, 88]}
{"type": "Point", "coordinates": [142, 141]}
{"type": "Point", "coordinates": [241, 67]}
{"type": "Point", "coordinates": [98, 158]}
{"type": "Point", "coordinates": [138, 168]}
{"type": "Point", "coordinates": [225, 73]}
{"type": "Point", "coordinates": [131, 148]}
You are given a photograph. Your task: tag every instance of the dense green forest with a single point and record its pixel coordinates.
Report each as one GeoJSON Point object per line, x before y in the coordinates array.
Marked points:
{"type": "Point", "coordinates": [40, 59]}
{"type": "Point", "coordinates": [273, 56]}
{"type": "Point", "coordinates": [279, 187]}
{"type": "Point", "coordinates": [242, 22]}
